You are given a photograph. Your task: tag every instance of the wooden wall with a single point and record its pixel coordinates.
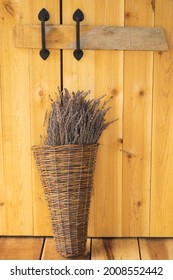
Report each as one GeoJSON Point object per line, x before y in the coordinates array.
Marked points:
{"type": "Point", "coordinates": [133, 189]}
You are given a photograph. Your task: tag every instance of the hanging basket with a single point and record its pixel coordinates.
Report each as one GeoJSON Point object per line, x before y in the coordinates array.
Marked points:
{"type": "Point", "coordinates": [66, 174]}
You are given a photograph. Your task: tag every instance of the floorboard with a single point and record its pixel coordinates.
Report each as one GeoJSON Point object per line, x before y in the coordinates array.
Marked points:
{"type": "Point", "coordinates": [34, 248]}
{"type": "Point", "coordinates": [115, 249]}
{"type": "Point", "coordinates": [20, 248]}
{"type": "Point", "coordinates": [156, 248]}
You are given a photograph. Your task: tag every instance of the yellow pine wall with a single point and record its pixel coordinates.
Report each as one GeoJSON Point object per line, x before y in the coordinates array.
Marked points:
{"type": "Point", "coordinates": [133, 189]}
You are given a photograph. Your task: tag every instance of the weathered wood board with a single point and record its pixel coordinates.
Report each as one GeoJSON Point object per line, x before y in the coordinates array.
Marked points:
{"type": "Point", "coordinates": [92, 37]}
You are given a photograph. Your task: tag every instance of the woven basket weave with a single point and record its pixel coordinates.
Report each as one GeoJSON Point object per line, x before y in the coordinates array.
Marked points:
{"type": "Point", "coordinates": [66, 174]}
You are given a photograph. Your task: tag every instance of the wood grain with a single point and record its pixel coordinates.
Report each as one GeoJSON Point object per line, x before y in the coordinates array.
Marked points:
{"type": "Point", "coordinates": [92, 37]}
{"type": "Point", "coordinates": [44, 80]}
{"type": "Point", "coordinates": [115, 249]}
{"type": "Point", "coordinates": [2, 187]}
{"type": "Point", "coordinates": [137, 128]}
{"type": "Point", "coordinates": [17, 192]}
{"type": "Point", "coordinates": [50, 253]}
{"type": "Point", "coordinates": [101, 72]}
{"type": "Point", "coordinates": [27, 248]}
{"type": "Point", "coordinates": [142, 134]}
{"type": "Point", "coordinates": [162, 144]}
{"type": "Point", "coordinates": [156, 249]}
{"type": "Point", "coordinates": [20, 248]}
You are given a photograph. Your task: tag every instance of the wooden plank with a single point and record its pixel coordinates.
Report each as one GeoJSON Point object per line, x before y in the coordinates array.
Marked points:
{"type": "Point", "coordinates": [156, 248]}
{"type": "Point", "coordinates": [162, 144]}
{"type": "Point", "coordinates": [92, 37]}
{"type": "Point", "coordinates": [115, 249]}
{"type": "Point", "coordinates": [17, 192]}
{"type": "Point", "coordinates": [44, 80]}
{"type": "Point", "coordinates": [20, 248]}
{"type": "Point", "coordinates": [137, 128]}
{"type": "Point", "coordinates": [102, 73]}
{"type": "Point", "coordinates": [50, 253]}
{"type": "Point", "coordinates": [2, 187]}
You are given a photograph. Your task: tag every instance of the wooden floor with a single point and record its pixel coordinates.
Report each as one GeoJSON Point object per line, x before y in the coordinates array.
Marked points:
{"type": "Point", "coordinates": [43, 248]}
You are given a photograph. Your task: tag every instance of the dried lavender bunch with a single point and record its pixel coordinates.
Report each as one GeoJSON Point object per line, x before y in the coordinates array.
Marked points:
{"type": "Point", "coordinates": [76, 120]}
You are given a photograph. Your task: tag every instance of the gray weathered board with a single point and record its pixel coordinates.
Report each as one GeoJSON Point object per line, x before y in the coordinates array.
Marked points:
{"type": "Point", "coordinates": [92, 37]}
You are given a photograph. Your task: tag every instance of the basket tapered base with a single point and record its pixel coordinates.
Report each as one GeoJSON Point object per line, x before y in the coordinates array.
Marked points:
{"type": "Point", "coordinates": [66, 174]}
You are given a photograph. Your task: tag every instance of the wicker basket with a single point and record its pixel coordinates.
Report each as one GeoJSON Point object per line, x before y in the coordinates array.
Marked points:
{"type": "Point", "coordinates": [66, 174]}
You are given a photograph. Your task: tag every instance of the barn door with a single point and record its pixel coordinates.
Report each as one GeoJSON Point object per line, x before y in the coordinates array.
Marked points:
{"type": "Point", "coordinates": [126, 186]}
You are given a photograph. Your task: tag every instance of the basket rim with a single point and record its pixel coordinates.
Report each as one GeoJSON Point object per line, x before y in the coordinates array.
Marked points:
{"type": "Point", "coordinates": [63, 146]}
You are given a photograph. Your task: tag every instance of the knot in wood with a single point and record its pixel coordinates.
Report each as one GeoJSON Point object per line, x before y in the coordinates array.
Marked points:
{"type": "Point", "coordinates": [120, 141]}
{"type": "Point", "coordinates": [139, 203]}
{"type": "Point", "coordinates": [127, 14]}
{"type": "Point", "coordinates": [129, 155]}
{"type": "Point", "coordinates": [41, 93]}
{"type": "Point", "coordinates": [141, 92]}
{"type": "Point", "coordinates": [9, 8]}
{"type": "Point", "coordinates": [114, 92]}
